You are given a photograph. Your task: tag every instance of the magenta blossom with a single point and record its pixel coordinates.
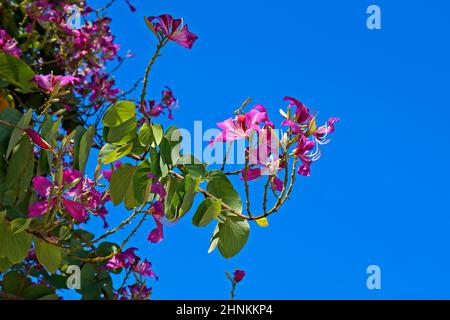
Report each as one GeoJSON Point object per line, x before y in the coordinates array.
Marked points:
{"type": "Point", "coordinates": [168, 102]}
{"type": "Point", "coordinates": [48, 82]}
{"type": "Point", "coordinates": [242, 125]}
{"type": "Point", "coordinates": [238, 275]}
{"type": "Point", "coordinates": [134, 292]}
{"type": "Point", "coordinates": [43, 187]}
{"type": "Point", "coordinates": [166, 26]}
{"type": "Point", "coordinates": [303, 151]}
{"type": "Point", "coordinates": [144, 268]}
{"type": "Point", "coordinates": [301, 115]}
{"type": "Point", "coordinates": [322, 132]}
{"type": "Point", "coordinates": [123, 259]}
{"type": "Point", "coordinates": [8, 44]}
{"type": "Point", "coordinates": [128, 259]}
{"type": "Point", "coordinates": [157, 234]}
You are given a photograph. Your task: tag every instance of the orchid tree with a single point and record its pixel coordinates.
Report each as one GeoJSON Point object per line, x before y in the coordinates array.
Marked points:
{"type": "Point", "coordinates": [58, 103]}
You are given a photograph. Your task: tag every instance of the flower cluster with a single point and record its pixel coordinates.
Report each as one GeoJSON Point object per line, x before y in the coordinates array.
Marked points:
{"type": "Point", "coordinates": [128, 259]}
{"type": "Point", "coordinates": [154, 109]}
{"type": "Point", "coordinates": [134, 292]}
{"type": "Point", "coordinates": [75, 194]}
{"type": "Point", "coordinates": [132, 263]}
{"type": "Point", "coordinates": [85, 50]}
{"type": "Point", "coordinates": [8, 44]}
{"type": "Point", "coordinates": [166, 27]}
{"type": "Point", "coordinates": [303, 125]}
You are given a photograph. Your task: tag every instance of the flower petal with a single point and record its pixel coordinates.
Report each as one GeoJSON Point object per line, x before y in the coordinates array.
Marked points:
{"type": "Point", "coordinates": [75, 209]}
{"type": "Point", "coordinates": [42, 186]}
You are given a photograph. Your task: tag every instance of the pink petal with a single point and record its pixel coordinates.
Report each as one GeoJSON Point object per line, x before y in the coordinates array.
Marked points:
{"type": "Point", "coordinates": [42, 186]}
{"type": "Point", "coordinates": [39, 208]}
{"type": "Point", "coordinates": [75, 209]}
{"type": "Point", "coordinates": [252, 174]}
{"type": "Point", "coordinates": [156, 235]}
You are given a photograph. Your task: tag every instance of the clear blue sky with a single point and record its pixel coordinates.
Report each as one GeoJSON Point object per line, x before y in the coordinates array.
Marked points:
{"type": "Point", "coordinates": [379, 195]}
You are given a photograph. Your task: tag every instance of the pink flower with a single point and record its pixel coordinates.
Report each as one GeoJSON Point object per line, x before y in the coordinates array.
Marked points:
{"type": "Point", "coordinates": [242, 125]}
{"type": "Point", "coordinates": [252, 174]}
{"type": "Point", "coordinates": [43, 186]}
{"type": "Point", "coordinates": [322, 132]}
{"type": "Point", "coordinates": [49, 81]}
{"type": "Point", "coordinates": [277, 184]}
{"type": "Point", "coordinates": [144, 268]}
{"type": "Point", "coordinates": [168, 102]}
{"type": "Point", "coordinates": [37, 139]}
{"type": "Point", "coordinates": [157, 234]}
{"type": "Point", "coordinates": [123, 259]}
{"type": "Point", "coordinates": [238, 275]}
{"type": "Point", "coordinates": [8, 44]}
{"type": "Point", "coordinates": [301, 115]}
{"type": "Point", "coordinates": [166, 26]}
{"type": "Point", "coordinates": [303, 152]}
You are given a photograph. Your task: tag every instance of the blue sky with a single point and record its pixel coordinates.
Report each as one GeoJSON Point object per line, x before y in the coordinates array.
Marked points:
{"type": "Point", "coordinates": [379, 195]}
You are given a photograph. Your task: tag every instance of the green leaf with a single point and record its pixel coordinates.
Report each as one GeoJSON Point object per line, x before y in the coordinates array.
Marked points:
{"type": "Point", "coordinates": [14, 283]}
{"type": "Point", "coordinates": [13, 246]}
{"type": "Point", "coordinates": [123, 133]}
{"type": "Point", "coordinates": [110, 153]}
{"type": "Point", "coordinates": [11, 116]}
{"type": "Point", "coordinates": [190, 190]}
{"type": "Point", "coordinates": [214, 239]}
{"type": "Point", "coordinates": [20, 225]}
{"type": "Point", "coordinates": [5, 264]}
{"type": "Point", "coordinates": [193, 165]}
{"type": "Point", "coordinates": [18, 132]}
{"type": "Point", "coordinates": [85, 148]}
{"type": "Point", "coordinates": [220, 186]}
{"type": "Point", "coordinates": [89, 282]}
{"type": "Point", "coordinates": [107, 248]}
{"type": "Point", "coordinates": [207, 211]}
{"type": "Point", "coordinates": [173, 135]}
{"type": "Point", "coordinates": [37, 291]}
{"type": "Point", "coordinates": [157, 133]}
{"type": "Point", "coordinates": [233, 235]}
{"type": "Point", "coordinates": [146, 137]}
{"type": "Point", "coordinates": [119, 113]}
{"type": "Point", "coordinates": [17, 72]}
{"type": "Point", "coordinates": [20, 170]}
{"type": "Point", "coordinates": [121, 182]}
{"type": "Point", "coordinates": [166, 151]}
{"type": "Point", "coordinates": [49, 255]}
{"type": "Point", "coordinates": [141, 182]}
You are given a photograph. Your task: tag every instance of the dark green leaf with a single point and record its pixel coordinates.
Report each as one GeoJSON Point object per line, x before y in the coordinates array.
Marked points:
{"type": "Point", "coordinates": [221, 187]}
{"type": "Point", "coordinates": [123, 133]}
{"type": "Point", "coordinates": [49, 255]}
{"type": "Point", "coordinates": [233, 235]}
{"type": "Point", "coordinates": [17, 133]}
{"type": "Point", "coordinates": [207, 211]}
{"type": "Point", "coordinates": [85, 147]}
{"type": "Point", "coordinates": [121, 182]}
{"type": "Point", "coordinates": [17, 72]}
